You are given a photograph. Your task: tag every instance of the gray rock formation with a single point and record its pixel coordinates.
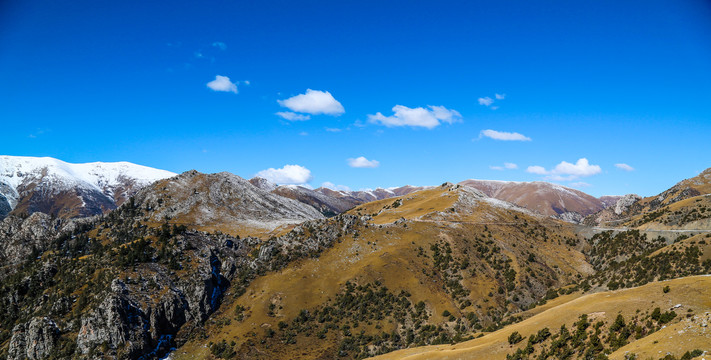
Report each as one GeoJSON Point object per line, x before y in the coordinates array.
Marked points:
{"type": "Point", "coordinates": [19, 237]}
{"type": "Point", "coordinates": [33, 340]}
{"type": "Point", "coordinates": [624, 203]}
{"type": "Point", "coordinates": [203, 199]}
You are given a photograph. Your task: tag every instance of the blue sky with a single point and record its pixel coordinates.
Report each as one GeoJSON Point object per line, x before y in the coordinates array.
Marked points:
{"type": "Point", "coordinates": [605, 81]}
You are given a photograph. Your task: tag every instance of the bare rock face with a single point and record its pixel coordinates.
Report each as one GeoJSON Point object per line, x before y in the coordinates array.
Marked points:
{"type": "Point", "coordinates": [625, 207]}
{"type": "Point", "coordinates": [263, 184]}
{"type": "Point", "coordinates": [21, 237]}
{"type": "Point", "coordinates": [115, 322]}
{"type": "Point", "coordinates": [33, 340]}
{"type": "Point", "coordinates": [609, 200]}
{"type": "Point", "coordinates": [132, 321]}
{"type": "Point", "coordinates": [5, 205]}
{"type": "Point", "coordinates": [571, 217]}
{"type": "Point", "coordinates": [624, 203]}
{"type": "Point", "coordinates": [208, 199]}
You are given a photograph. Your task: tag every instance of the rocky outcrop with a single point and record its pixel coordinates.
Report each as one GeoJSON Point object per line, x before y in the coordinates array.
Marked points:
{"type": "Point", "coordinates": [21, 237]}
{"type": "Point", "coordinates": [609, 200]}
{"type": "Point", "coordinates": [263, 184]}
{"type": "Point", "coordinates": [218, 199]}
{"type": "Point", "coordinates": [624, 203]}
{"type": "Point", "coordinates": [623, 208]}
{"type": "Point", "coordinates": [35, 339]}
{"type": "Point", "coordinates": [132, 321]}
{"type": "Point", "coordinates": [571, 217]}
{"type": "Point", "coordinates": [5, 196]}
{"type": "Point", "coordinates": [116, 322]}
{"type": "Point", "coordinates": [676, 193]}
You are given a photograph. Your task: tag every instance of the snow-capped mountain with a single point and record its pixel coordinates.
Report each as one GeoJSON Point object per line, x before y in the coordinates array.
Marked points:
{"type": "Point", "coordinates": [52, 186]}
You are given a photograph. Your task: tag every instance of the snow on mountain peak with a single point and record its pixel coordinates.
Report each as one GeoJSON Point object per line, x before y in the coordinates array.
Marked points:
{"type": "Point", "coordinates": [15, 169]}
{"type": "Point", "coordinates": [21, 175]}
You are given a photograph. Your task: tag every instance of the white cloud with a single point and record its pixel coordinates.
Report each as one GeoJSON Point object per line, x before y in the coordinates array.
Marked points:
{"type": "Point", "coordinates": [222, 83]}
{"type": "Point", "coordinates": [446, 115]}
{"type": "Point", "coordinates": [580, 184]}
{"type": "Point", "coordinates": [486, 101]}
{"type": "Point", "coordinates": [624, 167]}
{"type": "Point", "coordinates": [540, 170]}
{"type": "Point", "coordinates": [505, 136]}
{"type": "Point", "coordinates": [362, 162]}
{"type": "Point", "coordinates": [489, 102]}
{"type": "Point", "coordinates": [581, 168]}
{"type": "Point", "coordinates": [288, 115]}
{"type": "Point", "coordinates": [427, 118]}
{"type": "Point", "coordinates": [220, 45]}
{"type": "Point", "coordinates": [304, 133]}
{"type": "Point", "coordinates": [333, 130]}
{"type": "Point", "coordinates": [566, 171]}
{"type": "Point", "coordinates": [314, 102]}
{"type": "Point", "coordinates": [507, 166]}
{"type": "Point", "coordinates": [332, 186]}
{"type": "Point", "coordinates": [289, 174]}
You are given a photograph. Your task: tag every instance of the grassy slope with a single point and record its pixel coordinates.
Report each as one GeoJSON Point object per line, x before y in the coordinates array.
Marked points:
{"type": "Point", "coordinates": [692, 292]}
{"type": "Point", "coordinates": [389, 254]}
{"type": "Point", "coordinates": [693, 213]}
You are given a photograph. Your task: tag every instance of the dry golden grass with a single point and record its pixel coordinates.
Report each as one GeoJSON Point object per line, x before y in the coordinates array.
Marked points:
{"type": "Point", "coordinates": [692, 292]}
{"type": "Point", "coordinates": [413, 205]}
{"type": "Point", "coordinates": [669, 220]}
{"type": "Point", "coordinates": [311, 282]}
{"type": "Point", "coordinates": [389, 253]}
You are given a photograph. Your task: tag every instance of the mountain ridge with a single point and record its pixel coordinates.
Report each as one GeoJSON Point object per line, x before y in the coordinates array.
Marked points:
{"type": "Point", "coordinates": [542, 197]}
{"type": "Point", "coordinates": [30, 184]}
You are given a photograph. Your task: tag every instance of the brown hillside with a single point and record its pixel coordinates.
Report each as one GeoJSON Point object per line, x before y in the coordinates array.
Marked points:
{"type": "Point", "coordinates": [681, 335]}
{"type": "Point", "coordinates": [459, 262]}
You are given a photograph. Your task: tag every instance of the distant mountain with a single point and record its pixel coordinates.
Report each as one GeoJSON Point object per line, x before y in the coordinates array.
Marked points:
{"type": "Point", "coordinates": [325, 203]}
{"type": "Point", "coordinates": [332, 202]}
{"type": "Point", "coordinates": [542, 197]}
{"type": "Point", "coordinates": [222, 201]}
{"type": "Point", "coordinates": [58, 188]}
{"type": "Point", "coordinates": [371, 195]}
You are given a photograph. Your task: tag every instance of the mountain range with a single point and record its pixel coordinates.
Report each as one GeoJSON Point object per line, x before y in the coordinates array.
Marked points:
{"type": "Point", "coordinates": [61, 189]}
{"type": "Point", "coordinates": [119, 261]}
